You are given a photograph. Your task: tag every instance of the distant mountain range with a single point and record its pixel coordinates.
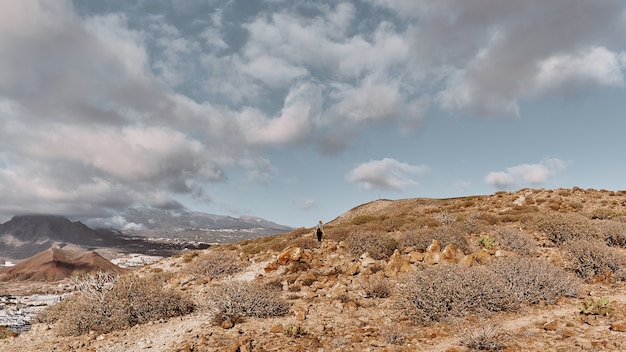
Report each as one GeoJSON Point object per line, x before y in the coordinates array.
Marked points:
{"type": "Point", "coordinates": [154, 232]}
{"type": "Point", "coordinates": [153, 219]}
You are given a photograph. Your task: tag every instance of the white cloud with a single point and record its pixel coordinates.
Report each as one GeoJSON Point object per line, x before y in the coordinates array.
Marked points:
{"type": "Point", "coordinates": [596, 66]}
{"type": "Point", "coordinates": [119, 107]}
{"type": "Point", "coordinates": [306, 203]}
{"type": "Point", "coordinates": [525, 174]}
{"type": "Point", "coordinates": [387, 174]}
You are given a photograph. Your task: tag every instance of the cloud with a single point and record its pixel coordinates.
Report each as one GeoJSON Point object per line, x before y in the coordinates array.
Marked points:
{"type": "Point", "coordinates": [385, 174]}
{"type": "Point", "coordinates": [306, 204]}
{"type": "Point", "coordinates": [105, 107]}
{"type": "Point", "coordinates": [525, 174]}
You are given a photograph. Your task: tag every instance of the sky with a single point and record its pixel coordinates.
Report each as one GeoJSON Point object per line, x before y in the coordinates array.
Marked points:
{"type": "Point", "coordinates": [298, 111]}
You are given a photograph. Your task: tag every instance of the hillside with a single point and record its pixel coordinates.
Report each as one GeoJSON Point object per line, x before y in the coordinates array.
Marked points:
{"type": "Point", "coordinates": [532, 270]}
{"type": "Point", "coordinates": [56, 264]}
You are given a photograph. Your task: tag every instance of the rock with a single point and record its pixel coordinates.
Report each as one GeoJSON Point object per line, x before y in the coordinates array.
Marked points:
{"type": "Point", "coordinates": [300, 312]}
{"type": "Point", "coordinates": [227, 324]}
{"type": "Point", "coordinates": [271, 267]}
{"type": "Point", "coordinates": [289, 255]}
{"type": "Point", "coordinates": [433, 253]}
{"type": "Point", "coordinates": [550, 326]}
{"type": "Point", "coordinates": [415, 257]}
{"type": "Point", "coordinates": [277, 328]}
{"type": "Point", "coordinates": [397, 264]}
{"type": "Point", "coordinates": [366, 260]}
{"type": "Point", "coordinates": [620, 326]}
{"type": "Point", "coordinates": [451, 254]}
{"type": "Point", "coordinates": [352, 268]}
{"type": "Point", "coordinates": [434, 247]}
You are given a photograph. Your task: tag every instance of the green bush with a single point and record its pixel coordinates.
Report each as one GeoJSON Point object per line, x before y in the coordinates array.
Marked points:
{"type": "Point", "coordinates": [532, 280]}
{"type": "Point", "coordinates": [237, 299]}
{"type": "Point", "coordinates": [438, 293]}
{"type": "Point", "coordinates": [106, 303]}
{"type": "Point", "coordinates": [591, 258]}
{"type": "Point", "coordinates": [378, 245]}
{"type": "Point", "coordinates": [562, 227]}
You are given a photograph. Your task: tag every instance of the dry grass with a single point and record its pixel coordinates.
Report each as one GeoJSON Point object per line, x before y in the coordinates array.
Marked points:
{"type": "Point", "coordinates": [486, 337]}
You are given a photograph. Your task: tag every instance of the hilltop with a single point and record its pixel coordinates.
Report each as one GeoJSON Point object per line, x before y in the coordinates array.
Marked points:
{"type": "Point", "coordinates": [532, 270]}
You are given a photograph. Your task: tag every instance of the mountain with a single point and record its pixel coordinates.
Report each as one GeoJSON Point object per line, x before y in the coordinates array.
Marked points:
{"type": "Point", "coordinates": [156, 232]}
{"type": "Point", "coordinates": [179, 219]}
{"type": "Point", "coordinates": [198, 226]}
{"type": "Point", "coordinates": [56, 264]}
{"type": "Point", "coordinates": [26, 235]}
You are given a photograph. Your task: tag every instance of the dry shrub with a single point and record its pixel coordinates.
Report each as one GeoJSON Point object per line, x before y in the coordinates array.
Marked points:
{"type": "Point", "coordinates": [487, 337]}
{"type": "Point", "coordinates": [5, 332]}
{"type": "Point", "coordinates": [363, 219]}
{"type": "Point", "coordinates": [376, 287]}
{"type": "Point", "coordinates": [613, 232]}
{"type": "Point", "coordinates": [516, 240]}
{"type": "Point", "coordinates": [488, 218]}
{"type": "Point", "coordinates": [446, 219]}
{"type": "Point", "coordinates": [532, 280]}
{"type": "Point", "coordinates": [378, 245]}
{"type": "Point", "coordinates": [445, 235]}
{"type": "Point", "coordinates": [393, 334]}
{"type": "Point", "coordinates": [602, 213]}
{"type": "Point", "coordinates": [562, 227]}
{"type": "Point", "coordinates": [129, 301]}
{"type": "Point", "coordinates": [439, 293]}
{"type": "Point", "coordinates": [237, 299]}
{"type": "Point", "coordinates": [215, 264]}
{"type": "Point", "coordinates": [305, 243]}
{"type": "Point", "coordinates": [592, 258]}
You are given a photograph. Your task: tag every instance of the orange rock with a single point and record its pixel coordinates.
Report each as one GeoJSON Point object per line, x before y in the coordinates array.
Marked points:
{"type": "Point", "coordinates": [434, 247]}
{"type": "Point", "coordinates": [550, 326]}
{"type": "Point", "coordinates": [451, 254]}
{"type": "Point", "coordinates": [271, 267]}
{"type": "Point", "coordinates": [621, 326]}
{"type": "Point", "coordinates": [289, 255]}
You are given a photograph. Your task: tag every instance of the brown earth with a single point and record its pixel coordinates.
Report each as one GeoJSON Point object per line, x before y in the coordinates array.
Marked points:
{"type": "Point", "coordinates": [330, 310]}
{"type": "Point", "coordinates": [56, 264]}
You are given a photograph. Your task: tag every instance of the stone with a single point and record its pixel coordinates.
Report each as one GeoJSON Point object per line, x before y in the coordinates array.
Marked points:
{"type": "Point", "coordinates": [289, 255]}
{"type": "Point", "coordinates": [415, 257]}
{"type": "Point", "coordinates": [366, 260]}
{"type": "Point", "coordinates": [620, 326]}
{"type": "Point", "coordinates": [451, 254]}
{"type": "Point", "coordinates": [550, 326]}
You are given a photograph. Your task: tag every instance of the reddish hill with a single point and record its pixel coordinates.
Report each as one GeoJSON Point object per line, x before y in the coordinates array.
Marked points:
{"type": "Point", "coordinates": [56, 264]}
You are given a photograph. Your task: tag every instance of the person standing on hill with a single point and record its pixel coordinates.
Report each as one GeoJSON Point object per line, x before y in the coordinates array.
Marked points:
{"type": "Point", "coordinates": [319, 231]}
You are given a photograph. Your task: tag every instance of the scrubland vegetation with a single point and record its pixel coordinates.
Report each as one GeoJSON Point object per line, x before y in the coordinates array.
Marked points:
{"type": "Point", "coordinates": [460, 262]}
